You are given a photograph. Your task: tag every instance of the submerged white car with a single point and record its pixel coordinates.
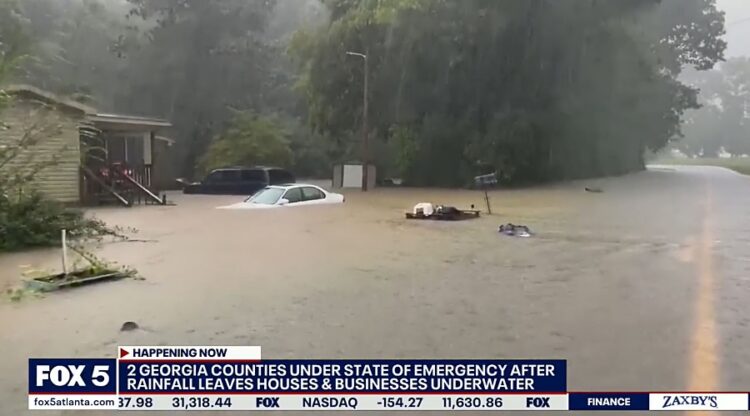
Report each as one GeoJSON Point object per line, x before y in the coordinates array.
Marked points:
{"type": "Point", "coordinates": [288, 195]}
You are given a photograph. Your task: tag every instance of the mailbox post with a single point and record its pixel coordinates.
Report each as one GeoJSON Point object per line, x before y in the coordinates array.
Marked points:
{"type": "Point", "coordinates": [484, 182]}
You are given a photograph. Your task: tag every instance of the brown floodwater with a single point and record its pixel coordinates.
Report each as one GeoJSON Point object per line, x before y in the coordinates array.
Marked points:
{"type": "Point", "coordinates": [641, 287]}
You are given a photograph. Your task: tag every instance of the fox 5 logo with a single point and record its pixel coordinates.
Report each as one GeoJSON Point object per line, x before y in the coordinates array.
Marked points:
{"type": "Point", "coordinates": [72, 376]}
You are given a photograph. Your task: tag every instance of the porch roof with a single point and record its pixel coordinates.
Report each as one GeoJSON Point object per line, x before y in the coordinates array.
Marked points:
{"type": "Point", "coordinates": [120, 122]}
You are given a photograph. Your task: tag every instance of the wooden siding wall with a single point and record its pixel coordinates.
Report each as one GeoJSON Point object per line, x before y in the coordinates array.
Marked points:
{"type": "Point", "coordinates": [59, 140]}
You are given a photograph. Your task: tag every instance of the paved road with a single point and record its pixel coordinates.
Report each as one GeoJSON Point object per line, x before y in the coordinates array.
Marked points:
{"type": "Point", "coordinates": [641, 287]}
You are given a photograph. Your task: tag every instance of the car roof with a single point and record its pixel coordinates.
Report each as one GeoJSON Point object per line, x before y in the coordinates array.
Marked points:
{"type": "Point", "coordinates": [293, 185]}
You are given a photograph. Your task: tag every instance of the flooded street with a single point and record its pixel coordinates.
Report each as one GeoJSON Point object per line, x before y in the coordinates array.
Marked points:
{"type": "Point", "coordinates": [641, 287]}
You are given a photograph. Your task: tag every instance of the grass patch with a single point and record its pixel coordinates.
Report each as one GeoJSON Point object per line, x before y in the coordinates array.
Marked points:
{"type": "Point", "coordinates": [737, 164]}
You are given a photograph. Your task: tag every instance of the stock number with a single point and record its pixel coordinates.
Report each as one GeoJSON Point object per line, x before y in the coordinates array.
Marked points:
{"type": "Point", "coordinates": [134, 402]}
{"type": "Point", "coordinates": [400, 402]}
{"type": "Point", "coordinates": [472, 402]}
{"type": "Point", "coordinates": [200, 402]}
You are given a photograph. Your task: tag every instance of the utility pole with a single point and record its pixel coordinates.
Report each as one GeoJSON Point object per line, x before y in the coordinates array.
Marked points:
{"type": "Point", "coordinates": [365, 116]}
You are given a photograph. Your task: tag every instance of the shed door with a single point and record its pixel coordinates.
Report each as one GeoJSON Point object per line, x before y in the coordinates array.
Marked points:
{"type": "Point", "coordinates": [352, 176]}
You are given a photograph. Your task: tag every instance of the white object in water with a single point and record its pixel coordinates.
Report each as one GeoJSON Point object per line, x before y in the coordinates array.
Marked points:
{"type": "Point", "coordinates": [426, 208]}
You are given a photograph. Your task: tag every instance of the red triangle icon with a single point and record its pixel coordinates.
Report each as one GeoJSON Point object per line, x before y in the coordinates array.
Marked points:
{"type": "Point", "coordinates": [123, 352]}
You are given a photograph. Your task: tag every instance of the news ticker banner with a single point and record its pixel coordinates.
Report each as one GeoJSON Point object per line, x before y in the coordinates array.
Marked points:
{"type": "Point", "coordinates": [235, 378]}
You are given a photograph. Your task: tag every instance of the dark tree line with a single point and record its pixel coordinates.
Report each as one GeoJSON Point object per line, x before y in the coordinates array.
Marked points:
{"type": "Point", "coordinates": [537, 89]}
{"type": "Point", "coordinates": [28, 218]}
{"type": "Point", "coordinates": [195, 62]}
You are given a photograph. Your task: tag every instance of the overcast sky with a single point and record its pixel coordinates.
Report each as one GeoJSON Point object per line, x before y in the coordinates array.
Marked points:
{"type": "Point", "coordinates": [738, 26]}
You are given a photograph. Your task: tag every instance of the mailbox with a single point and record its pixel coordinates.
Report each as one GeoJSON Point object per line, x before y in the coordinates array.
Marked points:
{"type": "Point", "coordinates": [484, 181]}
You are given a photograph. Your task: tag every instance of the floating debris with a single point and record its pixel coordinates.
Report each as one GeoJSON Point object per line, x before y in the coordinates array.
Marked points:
{"type": "Point", "coordinates": [514, 230]}
{"type": "Point", "coordinates": [428, 211]}
{"type": "Point", "coordinates": [129, 326]}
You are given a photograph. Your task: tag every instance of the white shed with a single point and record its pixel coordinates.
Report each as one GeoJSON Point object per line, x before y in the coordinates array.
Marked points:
{"type": "Point", "coordinates": [351, 175]}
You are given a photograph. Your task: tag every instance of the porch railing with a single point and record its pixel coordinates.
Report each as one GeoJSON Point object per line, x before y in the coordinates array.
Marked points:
{"type": "Point", "coordinates": [120, 183]}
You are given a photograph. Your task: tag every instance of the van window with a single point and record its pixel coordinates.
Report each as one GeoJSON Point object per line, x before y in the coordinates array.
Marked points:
{"type": "Point", "coordinates": [279, 176]}
{"type": "Point", "coordinates": [223, 176]}
{"type": "Point", "coordinates": [254, 175]}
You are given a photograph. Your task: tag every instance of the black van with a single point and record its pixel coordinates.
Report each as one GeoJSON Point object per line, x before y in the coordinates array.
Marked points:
{"type": "Point", "coordinates": [239, 181]}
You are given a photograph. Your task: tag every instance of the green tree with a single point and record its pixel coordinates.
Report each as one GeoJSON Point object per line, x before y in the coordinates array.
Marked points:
{"type": "Point", "coordinates": [28, 218]}
{"type": "Point", "coordinates": [539, 89]}
{"type": "Point", "coordinates": [249, 140]}
{"type": "Point", "coordinates": [75, 48]}
{"type": "Point", "coordinates": [203, 58]}
{"type": "Point", "coordinates": [13, 39]}
{"type": "Point", "coordinates": [191, 61]}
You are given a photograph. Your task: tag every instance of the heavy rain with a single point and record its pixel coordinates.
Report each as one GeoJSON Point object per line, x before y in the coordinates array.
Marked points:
{"type": "Point", "coordinates": [380, 179]}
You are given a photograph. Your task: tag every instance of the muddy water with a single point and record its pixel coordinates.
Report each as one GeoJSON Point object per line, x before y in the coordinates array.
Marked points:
{"type": "Point", "coordinates": [609, 282]}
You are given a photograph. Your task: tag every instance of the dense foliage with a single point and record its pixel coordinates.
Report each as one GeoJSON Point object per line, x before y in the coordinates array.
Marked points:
{"type": "Point", "coordinates": [27, 218]}
{"type": "Point", "coordinates": [195, 62]}
{"type": "Point", "coordinates": [31, 220]}
{"type": "Point", "coordinates": [538, 89]}
{"type": "Point", "coordinates": [249, 140]}
{"type": "Point", "coordinates": [13, 41]}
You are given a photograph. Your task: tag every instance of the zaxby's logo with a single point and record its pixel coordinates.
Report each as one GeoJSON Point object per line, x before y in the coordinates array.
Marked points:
{"type": "Point", "coordinates": [72, 376]}
{"type": "Point", "coordinates": [689, 400]}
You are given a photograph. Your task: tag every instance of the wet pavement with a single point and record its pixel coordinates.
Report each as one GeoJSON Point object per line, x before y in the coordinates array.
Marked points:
{"type": "Point", "coordinates": [641, 287]}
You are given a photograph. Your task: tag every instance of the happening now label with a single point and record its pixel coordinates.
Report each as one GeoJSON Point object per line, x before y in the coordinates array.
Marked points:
{"type": "Point", "coordinates": [189, 353]}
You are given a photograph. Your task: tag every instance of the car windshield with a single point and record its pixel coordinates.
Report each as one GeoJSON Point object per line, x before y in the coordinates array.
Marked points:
{"type": "Point", "coordinates": [267, 196]}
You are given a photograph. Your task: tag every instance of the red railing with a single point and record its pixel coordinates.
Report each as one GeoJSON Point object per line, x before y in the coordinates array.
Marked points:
{"type": "Point", "coordinates": [121, 181]}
